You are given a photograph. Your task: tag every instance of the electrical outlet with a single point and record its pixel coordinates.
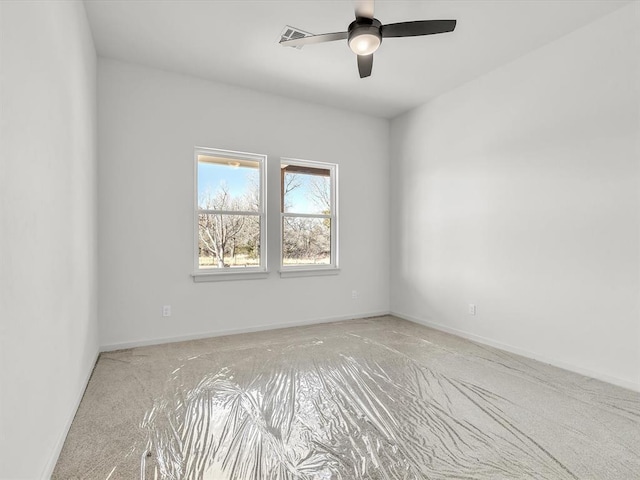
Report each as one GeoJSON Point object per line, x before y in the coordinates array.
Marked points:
{"type": "Point", "coordinates": [354, 294]}
{"type": "Point", "coordinates": [166, 310]}
{"type": "Point", "coordinates": [472, 309]}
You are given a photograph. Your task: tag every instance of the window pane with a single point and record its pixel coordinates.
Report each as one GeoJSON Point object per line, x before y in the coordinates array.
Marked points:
{"type": "Point", "coordinates": [306, 241]}
{"type": "Point", "coordinates": [228, 184]}
{"type": "Point", "coordinates": [228, 241]}
{"type": "Point", "coordinates": [306, 190]}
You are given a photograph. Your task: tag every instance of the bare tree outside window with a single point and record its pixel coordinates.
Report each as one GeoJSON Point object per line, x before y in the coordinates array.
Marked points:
{"type": "Point", "coordinates": [229, 212]}
{"type": "Point", "coordinates": [307, 214]}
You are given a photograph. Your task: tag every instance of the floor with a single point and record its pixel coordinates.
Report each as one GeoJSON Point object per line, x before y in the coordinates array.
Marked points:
{"type": "Point", "coordinates": [377, 398]}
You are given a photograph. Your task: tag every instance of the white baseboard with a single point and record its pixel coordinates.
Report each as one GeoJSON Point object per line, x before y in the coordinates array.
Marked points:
{"type": "Point", "coordinates": [234, 331]}
{"type": "Point", "coordinates": [519, 351]}
{"type": "Point", "coordinates": [51, 464]}
{"type": "Point", "coordinates": [460, 333]}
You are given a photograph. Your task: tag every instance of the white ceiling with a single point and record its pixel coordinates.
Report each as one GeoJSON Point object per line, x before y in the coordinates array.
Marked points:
{"type": "Point", "coordinates": [236, 42]}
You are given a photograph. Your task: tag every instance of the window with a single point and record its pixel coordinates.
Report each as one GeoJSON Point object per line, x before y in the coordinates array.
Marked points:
{"type": "Point", "coordinates": [230, 214]}
{"type": "Point", "coordinates": [308, 206]}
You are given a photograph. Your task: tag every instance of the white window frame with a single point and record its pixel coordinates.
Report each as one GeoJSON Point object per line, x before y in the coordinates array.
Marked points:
{"type": "Point", "coordinates": [312, 270]}
{"type": "Point", "coordinates": [208, 275]}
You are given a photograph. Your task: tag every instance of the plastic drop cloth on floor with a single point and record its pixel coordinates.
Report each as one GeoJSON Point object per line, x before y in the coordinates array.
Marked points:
{"type": "Point", "coordinates": [374, 399]}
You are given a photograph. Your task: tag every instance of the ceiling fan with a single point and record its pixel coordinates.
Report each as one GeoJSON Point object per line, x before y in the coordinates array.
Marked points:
{"type": "Point", "coordinates": [365, 34]}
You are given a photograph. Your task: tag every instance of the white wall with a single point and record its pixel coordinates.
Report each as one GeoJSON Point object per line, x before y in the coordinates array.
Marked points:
{"type": "Point", "coordinates": [48, 229]}
{"type": "Point", "coordinates": [149, 122]}
{"type": "Point", "coordinates": [519, 192]}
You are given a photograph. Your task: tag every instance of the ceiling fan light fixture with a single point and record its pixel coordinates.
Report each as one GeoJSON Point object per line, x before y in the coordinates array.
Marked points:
{"type": "Point", "coordinates": [364, 44]}
{"type": "Point", "coordinates": [364, 36]}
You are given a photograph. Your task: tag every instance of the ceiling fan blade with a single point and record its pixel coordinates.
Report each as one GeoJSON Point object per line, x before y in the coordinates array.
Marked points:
{"type": "Point", "coordinates": [324, 37]}
{"type": "Point", "coordinates": [364, 8]}
{"type": "Point", "coordinates": [365, 65]}
{"type": "Point", "coordinates": [414, 29]}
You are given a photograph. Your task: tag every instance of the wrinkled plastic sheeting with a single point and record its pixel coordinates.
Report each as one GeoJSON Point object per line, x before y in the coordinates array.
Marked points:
{"type": "Point", "coordinates": [338, 408]}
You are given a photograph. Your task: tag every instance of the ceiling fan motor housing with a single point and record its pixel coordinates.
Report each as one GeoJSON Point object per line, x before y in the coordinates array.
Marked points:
{"type": "Point", "coordinates": [364, 35]}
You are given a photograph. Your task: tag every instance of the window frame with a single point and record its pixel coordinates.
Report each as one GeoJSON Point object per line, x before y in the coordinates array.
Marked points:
{"type": "Point", "coordinates": [215, 274]}
{"type": "Point", "coordinates": [312, 269]}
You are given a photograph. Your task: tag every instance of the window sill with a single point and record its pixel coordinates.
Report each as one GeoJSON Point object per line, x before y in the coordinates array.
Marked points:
{"type": "Point", "coordinates": [227, 276]}
{"type": "Point", "coordinates": [309, 272]}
